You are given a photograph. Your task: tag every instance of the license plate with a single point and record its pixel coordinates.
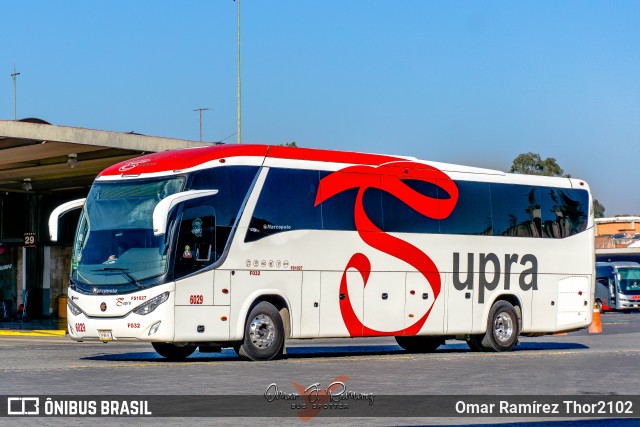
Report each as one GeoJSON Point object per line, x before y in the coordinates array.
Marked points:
{"type": "Point", "coordinates": [105, 335]}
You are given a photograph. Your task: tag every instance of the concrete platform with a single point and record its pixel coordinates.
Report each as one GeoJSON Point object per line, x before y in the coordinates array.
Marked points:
{"type": "Point", "coordinates": [34, 328]}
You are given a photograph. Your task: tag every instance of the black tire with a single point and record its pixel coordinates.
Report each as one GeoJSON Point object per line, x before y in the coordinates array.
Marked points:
{"type": "Point", "coordinates": [503, 328]}
{"type": "Point", "coordinates": [419, 344]}
{"type": "Point", "coordinates": [173, 351]}
{"type": "Point", "coordinates": [475, 342]}
{"type": "Point", "coordinates": [263, 334]}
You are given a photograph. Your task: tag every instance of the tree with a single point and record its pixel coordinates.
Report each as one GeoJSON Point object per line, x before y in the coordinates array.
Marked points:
{"type": "Point", "coordinates": [598, 209]}
{"type": "Point", "coordinates": [290, 144]}
{"type": "Point", "coordinates": [533, 164]}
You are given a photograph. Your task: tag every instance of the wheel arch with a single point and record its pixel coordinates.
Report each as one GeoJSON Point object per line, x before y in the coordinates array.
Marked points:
{"type": "Point", "coordinates": [273, 297]}
{"type": "Point", "coordinates": [512, 299]}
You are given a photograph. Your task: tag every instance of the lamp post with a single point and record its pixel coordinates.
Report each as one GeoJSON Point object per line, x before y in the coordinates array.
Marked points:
{"type": "Point", "coordinates": [239, 128]}
{"type": "Point", "coordinates": [201, 110]}
{"type": "Point", "coordinates": [14, 77]}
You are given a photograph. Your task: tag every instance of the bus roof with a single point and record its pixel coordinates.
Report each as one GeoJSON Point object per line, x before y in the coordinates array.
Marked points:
{"type": "Point", "coordinates": [190, 157]}
{"type": "Point", "coordinates": [618, 264]}
{"type": "Point", "coordinates": [177, 161]}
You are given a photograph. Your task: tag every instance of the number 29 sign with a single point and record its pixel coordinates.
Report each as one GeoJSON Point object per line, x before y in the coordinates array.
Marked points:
{"type": "Point", "coordinates": [29, 240]}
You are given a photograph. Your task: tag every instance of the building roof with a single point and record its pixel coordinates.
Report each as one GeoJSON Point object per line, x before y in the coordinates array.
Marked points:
{"type": "Point", "coordinates": [33, 149]}
{"type": "Point", "coordinates": [617, 219]}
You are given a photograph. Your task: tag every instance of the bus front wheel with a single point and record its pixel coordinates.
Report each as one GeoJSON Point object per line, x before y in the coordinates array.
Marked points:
{"type": "Point", "coordinates": [263, 333]}
{"type": "Point", "coordinates": [173, 351]}
{"type": "Point", "coordinates": [502, 328]}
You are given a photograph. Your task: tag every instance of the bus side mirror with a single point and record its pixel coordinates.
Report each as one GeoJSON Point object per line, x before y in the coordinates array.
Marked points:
{"type": "Point", "coordinates": [161, 212]}
{"type": "Point", "coordinates": [58, 212]}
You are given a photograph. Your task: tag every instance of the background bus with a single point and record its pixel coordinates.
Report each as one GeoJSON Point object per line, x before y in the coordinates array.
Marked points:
{"type": "Point", "coordinates": [618, 254]}
{"type": "Point", "coordinates": [617, 285]}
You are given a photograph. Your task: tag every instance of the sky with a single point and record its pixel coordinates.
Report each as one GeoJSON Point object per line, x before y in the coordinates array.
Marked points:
{"type": "Point", "coordinates": [465, 82]}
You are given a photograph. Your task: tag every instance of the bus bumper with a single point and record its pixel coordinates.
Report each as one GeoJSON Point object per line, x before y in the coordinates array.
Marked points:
{"type": "Point", "coordinates": [157, 325]}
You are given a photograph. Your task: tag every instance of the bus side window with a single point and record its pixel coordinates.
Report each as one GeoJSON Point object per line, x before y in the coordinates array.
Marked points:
{"type": "Point", "coordinates": [516, 210]}
{"type": "Point", "coordinates": [196, 238]}
{"type": "Point", "coordinates": [286, 203]}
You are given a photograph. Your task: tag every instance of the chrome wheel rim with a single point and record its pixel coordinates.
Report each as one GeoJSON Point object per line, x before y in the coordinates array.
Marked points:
{"type": "Point", "coordinates": [262, 331]}
{"type": "Point", "coordinates": [503, 327]}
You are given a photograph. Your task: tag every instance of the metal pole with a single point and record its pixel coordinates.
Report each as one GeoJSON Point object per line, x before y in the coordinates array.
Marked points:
{"type": "Point", "coordinates": [15, 96]}
{"type": "Point", "coordinates": [201, 110]}
{"type": "Point", "coordinates": [239, 129]}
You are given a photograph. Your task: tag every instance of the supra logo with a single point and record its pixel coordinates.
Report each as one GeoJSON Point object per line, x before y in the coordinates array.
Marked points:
{"type": "Point", "coordinates": [130, 165]}
{"type": "Point", "coordinates": [103, 306]}
{"type": "Point", "coordinates": [490, 267]}
{"type": "Point", "coordinates": [121, 302]}
{"type": "Point", "coordinates": [23, 406]}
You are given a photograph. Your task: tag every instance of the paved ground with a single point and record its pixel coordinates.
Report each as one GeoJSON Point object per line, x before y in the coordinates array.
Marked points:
{"type": "Point", "coordinates": [578, 364]}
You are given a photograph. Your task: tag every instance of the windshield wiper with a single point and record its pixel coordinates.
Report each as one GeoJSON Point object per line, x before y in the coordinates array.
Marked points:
{"type": "Point", "coordinates": [124, 272]}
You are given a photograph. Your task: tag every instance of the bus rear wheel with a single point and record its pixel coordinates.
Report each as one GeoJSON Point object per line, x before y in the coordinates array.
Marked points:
{"type": "Point", "coordinates": [263, 334]}
{"type": "Point", "coordinates": [502, 328]}
{"type": "Point", "coordinates": [419, 344]}
{"type": "Point", "coordinates": [173, 351]}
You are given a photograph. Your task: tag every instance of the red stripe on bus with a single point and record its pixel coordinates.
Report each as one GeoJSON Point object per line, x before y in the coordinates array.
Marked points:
{"type": "Point", "coordinates": [182, 159]}
{"type": "Point", "coordinates": [389, 177]}
{"type": "Point", "coordinates": [188, 158]}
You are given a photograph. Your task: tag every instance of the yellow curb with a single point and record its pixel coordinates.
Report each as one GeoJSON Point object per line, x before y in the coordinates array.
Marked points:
{"type": "Point", "coordinates": [34, 333]}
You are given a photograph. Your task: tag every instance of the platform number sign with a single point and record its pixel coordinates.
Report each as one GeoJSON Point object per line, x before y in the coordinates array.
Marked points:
{"type": "Point", "coordinates": [29, 240]}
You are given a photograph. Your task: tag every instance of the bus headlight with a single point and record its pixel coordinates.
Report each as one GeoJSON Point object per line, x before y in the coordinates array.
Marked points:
{"type": "Point", "coordinates": [152, 304]}
{"type": "Point", "coordinates": [75, 310]}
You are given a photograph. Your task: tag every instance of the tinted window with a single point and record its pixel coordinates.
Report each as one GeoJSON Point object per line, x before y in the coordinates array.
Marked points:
{"type": "Point", "coordinates": [232, 183]}
{"type": "Point", "coordinates": [372, 204]}
{"type": "Point", "coordinates": [400, 217]}
{"type": "Point", "coordinates": [196, 239]}
{"type": "Point", "coordinates": [287, 200]}
{"type": "Point", "coordinates": [564, 211]}
{"type": "Point", "coordinates": [472, 213]}
{"type": "Point", "coordinates": [286, 203]}
{"type": "Point", "coordinates": [338, 211]}
{"type": "Point", "coordinates": [516, 210]}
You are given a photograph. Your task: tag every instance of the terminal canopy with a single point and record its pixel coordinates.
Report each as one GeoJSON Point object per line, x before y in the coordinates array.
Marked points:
{"type": "Point", "coordinates": [38, 157]}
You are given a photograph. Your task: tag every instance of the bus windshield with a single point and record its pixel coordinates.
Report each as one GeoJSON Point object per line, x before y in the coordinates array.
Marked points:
{"type": "Point", "coordinates": [114, 243]}
{"type": "Point", "coordinates": [629, 281]}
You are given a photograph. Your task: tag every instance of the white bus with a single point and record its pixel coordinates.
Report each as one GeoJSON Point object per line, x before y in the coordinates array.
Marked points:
{"type": "Point", "coordinates": [617, 286]}
{"type": "Point", "coordinates": [247, 246]}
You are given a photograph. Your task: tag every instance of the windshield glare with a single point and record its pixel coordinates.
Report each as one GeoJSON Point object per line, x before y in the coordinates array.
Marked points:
{"type": "Point", "coordinates": [629, 282]}
{"type": "Point", "coordinates": [114, 243]}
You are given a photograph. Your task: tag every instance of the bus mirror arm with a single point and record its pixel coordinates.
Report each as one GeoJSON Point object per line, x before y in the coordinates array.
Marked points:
{"type": "Point", "coordinates": [58, 212]}
{"type": "Point", "coordinates": [162, 209]}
